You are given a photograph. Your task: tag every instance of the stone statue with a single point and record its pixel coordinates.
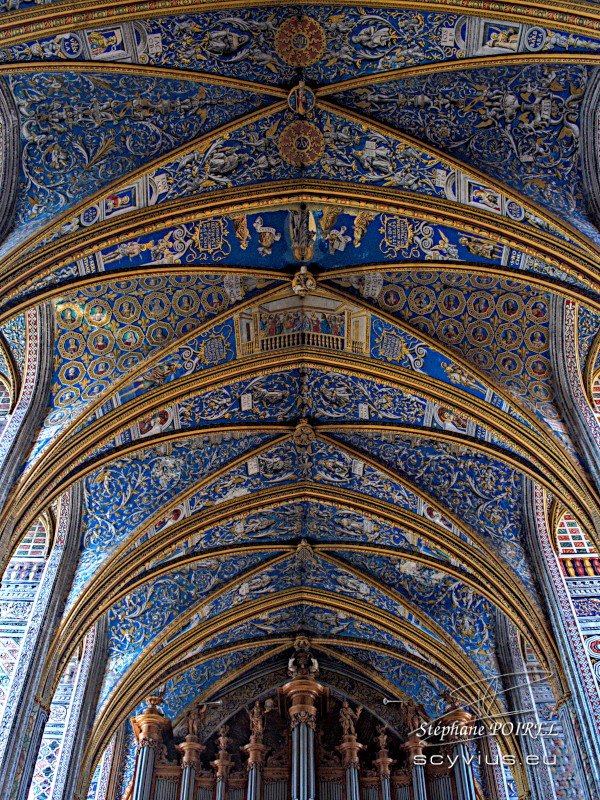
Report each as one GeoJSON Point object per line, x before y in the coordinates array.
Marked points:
{"type": "Point", "coordinates": [257, 724]}
{"type": "Point", "coordinates": [413, 716]}
{"type": "Point", "coordinates": [153, 702]}
{"type": "Point", "coordinates": [451, 699]}
{"type": "Point", "coordinates": [303, 234]}
{"type": "Point", "coordinates": [195, 718]}
{"type": "Point", "coordinates": [349, 718]}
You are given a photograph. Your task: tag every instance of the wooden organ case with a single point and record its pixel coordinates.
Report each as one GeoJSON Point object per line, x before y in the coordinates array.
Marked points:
{"type": "Point", "coordinates": [300, 741]}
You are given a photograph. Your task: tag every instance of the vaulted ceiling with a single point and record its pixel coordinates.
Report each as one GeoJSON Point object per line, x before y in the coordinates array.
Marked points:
{"type": "Point", "coordinates": [342, 451]}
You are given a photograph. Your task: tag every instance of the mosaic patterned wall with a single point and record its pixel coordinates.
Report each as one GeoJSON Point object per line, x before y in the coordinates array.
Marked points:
{"type": "Point", "coordinates": [17, 593]}
{"type": "Point", "coordinates": [51, 746]}
{"type": "Point", "coordinates": [580, 565]}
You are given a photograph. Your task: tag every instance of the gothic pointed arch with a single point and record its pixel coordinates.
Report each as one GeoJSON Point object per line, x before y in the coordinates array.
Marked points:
{"type": "Point", "coordinates": [299, 400]}
{"type": "Point", "coordinates": [10, 155]}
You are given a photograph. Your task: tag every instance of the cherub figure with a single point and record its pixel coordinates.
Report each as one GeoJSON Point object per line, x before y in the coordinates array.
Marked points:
{"type": "Point", "coordinates": [223, 739]}
{"type": "Point", "coordinates": [303, 282]}
{"type": "Point", "coordinates": [414, 717]}
{"type": "Point", "coordinates": [302, 664]}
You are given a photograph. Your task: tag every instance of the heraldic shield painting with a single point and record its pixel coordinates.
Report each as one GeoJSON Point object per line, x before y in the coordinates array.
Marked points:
{"type": "Point", "coordinates": [299, 400]}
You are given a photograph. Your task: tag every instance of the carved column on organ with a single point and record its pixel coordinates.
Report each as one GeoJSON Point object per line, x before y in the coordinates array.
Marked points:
{"type": "Point", "coordinates": [383, 763]}
{"type": "Point", "coordinates": [350, 749]}
{"type": "Point", "coordinates": [191, 750]}
{"type": "Point", "coordinates": [463, 775]}
{"type": "Point", "coordinates": [302, 693]}
{"type": "Point", "coordinates": [149, 727]}
{"type": "Point", "coordinates": [222, 763]}
{"type": "Point", "coordinates": [415, 747]}
{"type": "Point", "coordinates": [256, 749]}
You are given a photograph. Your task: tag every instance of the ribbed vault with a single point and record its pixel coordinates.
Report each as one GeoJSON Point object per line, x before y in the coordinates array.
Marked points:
{"type": "Point", "coordinates": [302, 356]}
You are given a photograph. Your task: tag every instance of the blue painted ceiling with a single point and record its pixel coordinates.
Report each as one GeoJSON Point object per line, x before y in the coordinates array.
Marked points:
{"type": "Point", "coordinates": [239, 441]}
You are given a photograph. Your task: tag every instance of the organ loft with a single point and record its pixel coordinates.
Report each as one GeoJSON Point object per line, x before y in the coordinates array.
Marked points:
{"type": "Point", "coordinates": [301, 740]}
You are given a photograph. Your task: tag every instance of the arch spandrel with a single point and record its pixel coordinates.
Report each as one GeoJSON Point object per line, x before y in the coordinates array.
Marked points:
{"type": "Point", "coordinates": [161, 473]}
{"type": "Point", "coordinates": [434, 591]}
{"type": "Point", "coordinates": [428, 464]}
{"type": "Point", "coordinates": [249, 334]}
{"type": "Point", "coordinates": [255, 328]}
{"type": "Point", "coordinates": [184, 649]}
{"type": "Point", "coordinates": [450, 665]}
{"type": "Point", "coordinates": [142, 615]}
{"type": "Point", "coordinates": [236, 327]}
{"type": "Point", "coordinates": [483, 567]}
{"type": "Point", "coordinates": [340, 150]}
{"type": "Point", "coordinates": [505, 337]}
{"type": "Point", "coordinates": [240, 236]}
{"type": "Point", "coordinates": [260, 462]}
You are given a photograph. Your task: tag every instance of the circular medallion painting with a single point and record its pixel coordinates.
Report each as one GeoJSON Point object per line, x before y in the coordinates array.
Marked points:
{"type": "Point", "coordinates": [301, 99]}
{"type": "Point", "coordinates": [300, 41]}
{"type": "Point", "coordinates": [301, 143]}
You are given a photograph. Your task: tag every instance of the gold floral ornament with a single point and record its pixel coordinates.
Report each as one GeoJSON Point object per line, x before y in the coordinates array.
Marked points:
{"type": "Point", "coordinates": [304, 434]}
{"type": "Point", "coordinates": [301, 144]}
{"type": "Point", "coordinates": [300, 41]}
{"type": "Point", "coordinates": [303, 282]}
